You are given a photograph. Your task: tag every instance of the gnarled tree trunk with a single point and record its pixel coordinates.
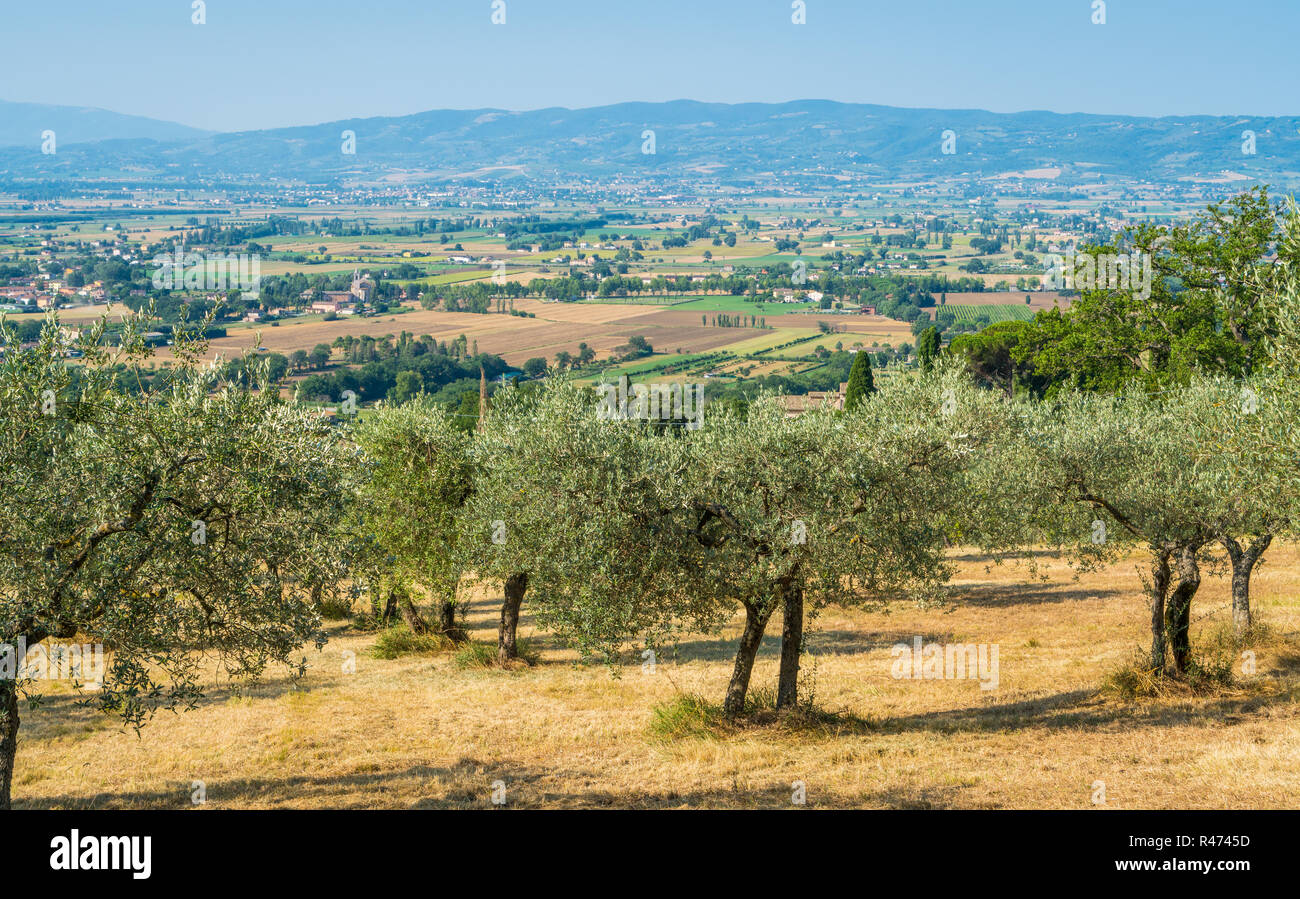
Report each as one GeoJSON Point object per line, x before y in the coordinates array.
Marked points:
{"type": "Point", "coordinates": [447, 621]}
{"type": "Point", "coordinates": [787, 691]}
{"type": "Point", "coordinates": [516, 586]}
{"type": "Point", "coordinates": [1243, 561]}
{"type": "Point", "coordinates": [1160, 578]}
{"type": "Point", "coordinates": [390, 607]}
{"type": "Point", "coordinates": [8, 737]}
{"type": "Point", "coordinates": [750, 639]}
{"type": "Point", "coordinates": [414, 620]}
{"type": "Point", "coordinates": [1178, 610]}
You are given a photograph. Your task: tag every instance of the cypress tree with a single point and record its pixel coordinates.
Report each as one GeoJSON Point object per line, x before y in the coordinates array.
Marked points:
{"type": "Point", "coordinates": [861, 381]}
{"type": "Point", "coordinates": [928, 347]}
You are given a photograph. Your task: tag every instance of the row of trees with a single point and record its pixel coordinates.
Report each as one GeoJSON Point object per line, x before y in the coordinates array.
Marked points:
{"type": "Point", "coordinates": [626, 531]}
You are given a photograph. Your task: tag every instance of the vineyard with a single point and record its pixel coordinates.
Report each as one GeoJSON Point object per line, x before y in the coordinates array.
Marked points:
{"type": "Point", "coordinates": [1009, 312]}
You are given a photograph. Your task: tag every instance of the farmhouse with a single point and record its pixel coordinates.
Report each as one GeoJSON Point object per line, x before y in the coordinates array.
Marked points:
{"type": "Point", "coordinates": [797, 405]}
{"type": "Point", "coordinates": [339, 301]}
{"type": "Point", "coordinates": [344, 302]}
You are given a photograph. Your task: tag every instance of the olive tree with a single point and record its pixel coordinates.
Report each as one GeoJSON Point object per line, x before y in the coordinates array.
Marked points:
{"type": "Point", "coordinates": [1122, 470]}
{"type": "Point", "coordinates": [575, 508]}
{"type": "Point", "coordinates": [167, 522]}
{"type": "Point", "coordinates": [798, 512]}
{"type": "Point", "coordinates": [1239, 501]}
{"type": "Point", "coordinates": [1266, 444]}
{"type": "Point", "coordinates": [418, 475]}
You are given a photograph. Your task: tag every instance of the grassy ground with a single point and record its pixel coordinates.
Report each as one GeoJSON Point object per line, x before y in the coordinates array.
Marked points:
{"type": "Point", "coordinates": [424, 731]}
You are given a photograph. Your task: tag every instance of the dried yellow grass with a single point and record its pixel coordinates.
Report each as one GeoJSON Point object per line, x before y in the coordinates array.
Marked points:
{"type": "Point", "coordinates": [422, 731]}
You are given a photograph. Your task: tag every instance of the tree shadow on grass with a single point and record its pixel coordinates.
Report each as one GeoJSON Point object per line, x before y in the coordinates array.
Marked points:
{"type": "Point", "coordinates": [465, 784]}
{"type": "Point", "coordinates": [1078, 709]}
{"type": "Point", "coordinates": [73, 711]}
{"type": "Point", "coordinates": [992, 596]}
{"type": "Point", "coordinates": [853, 642]}
{"type": "Point", "coordinates": [818, 643]}
{"type": "Point", "coordinates": [1011, 560]}
{"type": "Point", "coordinates": [708, 649]}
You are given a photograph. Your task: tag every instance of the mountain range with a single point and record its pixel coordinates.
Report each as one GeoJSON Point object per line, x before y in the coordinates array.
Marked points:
{"type": "Point", "coordinates": [716, 142]}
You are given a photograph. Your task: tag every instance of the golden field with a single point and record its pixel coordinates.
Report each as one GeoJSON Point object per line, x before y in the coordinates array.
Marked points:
{"type": "Point", "coordinates": [421, 731]}
{"type": "Point", "coordinates": [557, 327]}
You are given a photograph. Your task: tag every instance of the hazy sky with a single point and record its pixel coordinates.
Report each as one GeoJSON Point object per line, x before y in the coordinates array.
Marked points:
{"type": "Point", "coordinates": [266, 63]}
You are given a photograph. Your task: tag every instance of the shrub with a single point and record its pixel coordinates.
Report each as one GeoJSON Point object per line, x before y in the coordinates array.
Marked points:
{"type": "Point", "coordinates": [484, 655]}
{"type": "Point", "coordinates": [335, 608]}
{"type": "Point", "coordinates": [693, 717]}
{"type": "Point", "coordinates": [401, 640]}
{"type": "Point", "coordinates": [1208, 673]}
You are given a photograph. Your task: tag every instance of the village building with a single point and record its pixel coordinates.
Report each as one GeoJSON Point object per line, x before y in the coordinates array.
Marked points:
{"type": "Point", "coordinates": [344, 302]}
{"type": "Point", "coordinates": [798, 404]}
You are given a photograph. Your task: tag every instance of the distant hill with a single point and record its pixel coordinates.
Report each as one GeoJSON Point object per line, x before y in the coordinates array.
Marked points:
{"type": "Point", "coordinates": [730, 143]}
{"type": "Point", "coordinates": [21, 124]}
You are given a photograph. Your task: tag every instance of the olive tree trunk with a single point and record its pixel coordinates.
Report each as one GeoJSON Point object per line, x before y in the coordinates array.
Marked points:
{"type": "Point", "coordinates": [1178, 610]}
{"type": "Point", "coordinates": [507, 647]}
{"type": "Point", "coordinates": [447, 621]}
{"type": "Point", "coordinates": [390, 608]}
{"type": "Point", "coordinates": [1243, 561]}
{"type": "Point", "coordinates": [414, 620]}
{"type": "Point", "coordinates": [8, 738]}
{"type": "Point", "coordinates": [787, 691]}
{"type": "Point", "coordinates": [750, 639]}
{"type": "Point", "coordinates": [1159, 591]}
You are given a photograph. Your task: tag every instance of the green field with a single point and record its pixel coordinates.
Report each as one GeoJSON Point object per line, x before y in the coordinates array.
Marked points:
{"type": "Point", "coordinates": [676, 362]}
{"type": "Point", "coordinates": [741, 306]}
{"type": "Point", "coordinates": [1009, 312]}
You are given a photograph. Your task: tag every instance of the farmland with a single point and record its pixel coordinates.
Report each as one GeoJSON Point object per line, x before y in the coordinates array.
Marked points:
{"type": "Point", "coordinates": [993, 312]}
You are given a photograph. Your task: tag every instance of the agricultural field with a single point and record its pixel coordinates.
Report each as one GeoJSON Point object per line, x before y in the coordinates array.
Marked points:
{"type": "Point", "coordinates": [556, 327]}
{"type": "Point", "coordinates": [991, 311]}
{"type": "Point", "coordinates": [741, 306]}
{"type": "Point", "coordinates": [1038, 299]}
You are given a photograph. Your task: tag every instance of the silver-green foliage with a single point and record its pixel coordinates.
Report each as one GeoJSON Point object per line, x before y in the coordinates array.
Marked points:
{"type": "Point", "coordinates": [194, 515]}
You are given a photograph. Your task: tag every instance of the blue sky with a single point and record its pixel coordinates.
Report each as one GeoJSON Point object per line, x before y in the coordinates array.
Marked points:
{"type": "Point", "coordinates": [266, 63]}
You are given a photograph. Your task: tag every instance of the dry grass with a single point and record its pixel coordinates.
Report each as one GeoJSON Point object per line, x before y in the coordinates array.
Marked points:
{"type": "Point", "coordinates": [424, 730]}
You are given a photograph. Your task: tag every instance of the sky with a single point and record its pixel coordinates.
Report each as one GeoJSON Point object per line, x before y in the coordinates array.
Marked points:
{"type": "Point", "coordinates": [272, 63]}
